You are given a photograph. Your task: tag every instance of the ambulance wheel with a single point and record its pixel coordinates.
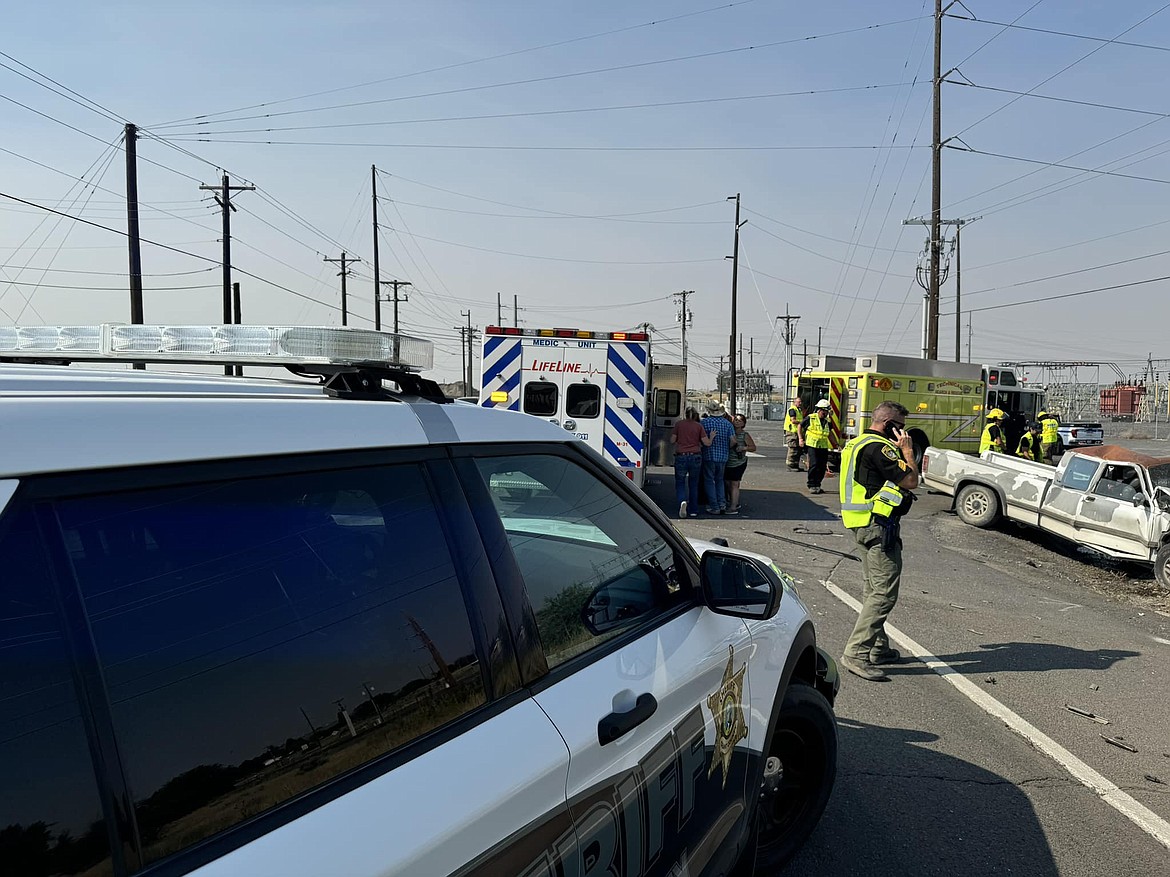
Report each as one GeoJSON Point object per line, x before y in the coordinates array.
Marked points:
{"type": "Point", "coordinates": [977, 505]}
{"type": "Point", "coordinates": [805, 747]}
{"type": "Point", "coordinates": [1162, 566]}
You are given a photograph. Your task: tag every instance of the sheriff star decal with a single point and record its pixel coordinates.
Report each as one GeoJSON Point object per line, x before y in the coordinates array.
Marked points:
{"type": "Point", "coordinates": [726, 705]}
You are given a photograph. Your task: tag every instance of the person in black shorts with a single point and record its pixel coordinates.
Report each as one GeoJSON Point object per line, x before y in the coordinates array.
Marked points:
{"type": "Point", "coordinates": [737, 462]}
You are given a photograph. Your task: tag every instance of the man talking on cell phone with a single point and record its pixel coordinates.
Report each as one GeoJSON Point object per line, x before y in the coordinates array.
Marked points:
{"type": "Point", "coordinates": [878, 472]}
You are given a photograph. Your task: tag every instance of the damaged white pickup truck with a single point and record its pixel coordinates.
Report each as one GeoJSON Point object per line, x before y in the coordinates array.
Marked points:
{"type": "Point", "coordinates": [1107, 498]}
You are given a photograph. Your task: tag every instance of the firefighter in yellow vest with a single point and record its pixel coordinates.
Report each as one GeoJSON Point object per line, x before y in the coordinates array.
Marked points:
{"type": "Point", "coordinates": [1029, 447]}
{"type": "Point", "coordinates": [792, 421]}
{"type": "Point", "coordinates": [1049, 437]}
{"type": "Point", "coordinates": [994, 438]}
{"type": "Point", "coordinates": [814, 438]}
{"type": "Point", "coordinates": [878, 471]}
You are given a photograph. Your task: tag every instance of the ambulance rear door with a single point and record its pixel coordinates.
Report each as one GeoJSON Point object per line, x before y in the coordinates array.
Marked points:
{"type": "Point", "coordinates": [582, 404]}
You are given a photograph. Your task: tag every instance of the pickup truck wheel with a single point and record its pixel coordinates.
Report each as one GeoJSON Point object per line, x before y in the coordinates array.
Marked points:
{"type": "Point", "coordinates": [804, 752]}
{"type": "Point", "coordinates": [977, 505]}
{"type": "Point", "coordinates": [1162, 566]}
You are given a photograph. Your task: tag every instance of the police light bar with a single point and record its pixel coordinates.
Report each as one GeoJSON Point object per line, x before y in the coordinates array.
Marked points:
{"type": "Point", "coordinates": [243, 345]}
{"type": "Point", "coordinates": [567, 333]}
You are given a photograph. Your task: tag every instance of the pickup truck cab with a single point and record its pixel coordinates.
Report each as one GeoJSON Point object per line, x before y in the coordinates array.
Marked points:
{"type": "Point", "coordinates": [1106, 498]}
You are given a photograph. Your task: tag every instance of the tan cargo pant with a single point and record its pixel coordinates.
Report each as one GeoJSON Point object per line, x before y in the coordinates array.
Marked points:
{"type": "Point", "coordinates": [795, 451]}
{"type": "Point", "coordinates": [883, 575]}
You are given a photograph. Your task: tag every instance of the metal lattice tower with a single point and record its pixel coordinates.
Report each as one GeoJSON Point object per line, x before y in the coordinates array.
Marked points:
{"type": "Point", "coordinates": [1072, 387]}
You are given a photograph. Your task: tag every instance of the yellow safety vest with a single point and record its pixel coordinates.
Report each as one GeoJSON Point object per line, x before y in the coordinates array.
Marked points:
{"type": "Point", "coordinates": [857, 508]}
{"type": "Point", "coordinates": [1027, 448]}
{"type": "Point", "coordinates": [1049, 436]}
{"type": "Point", "coordinates": [816, 434]}
{"type": "Point", "coordinates": [792, 424]}
{"type": "Point", "coordinates": [986, 443]}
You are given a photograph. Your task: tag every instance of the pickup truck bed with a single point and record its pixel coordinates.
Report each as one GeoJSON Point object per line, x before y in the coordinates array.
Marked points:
{"type": "Point", "coordinates": [1107, 498]}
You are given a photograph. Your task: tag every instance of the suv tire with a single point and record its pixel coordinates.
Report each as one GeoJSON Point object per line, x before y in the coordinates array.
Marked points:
{"type": "Point", "coordinates": [1162, 566]}
{"type": "Point", "coordinates": [805, 741]}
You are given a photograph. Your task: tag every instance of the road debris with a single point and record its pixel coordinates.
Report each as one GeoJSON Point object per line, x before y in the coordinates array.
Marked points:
{"type": "Point", "coordinates": [1119, 743]}
{"type": "Point", "coordinates": [976, 632]}
{"type": "Point", "coordinates": [990, 680]}
{"type": "Point", "coordinates": [1032, 563]}
{"type": "Point", "coordinates": [807, 532]}
{"type": "Point", "coordinates": [957, 606]}
{"type": "Point", "coordinates": [1088, 715]}
{"type": "Point", "coordinates": [1094, 688]}
{"type": "Point", "coordinates": [1154, 779]}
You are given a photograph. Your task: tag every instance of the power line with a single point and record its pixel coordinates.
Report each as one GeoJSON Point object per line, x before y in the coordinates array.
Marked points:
{"type": "Point", "coordinates": [995, 36]}
{"type": "Point", "coordinates": [1059, 33]}
{"type": "Point", "coordinates": [1070, 246]}
{"type": "Point", "coordinates": [538, 113]}
{"type": "Point", "coordinates": [1063, 100]}
{"type": "Point", "coordinates": [561, 259]}
{"type": "Point", "coordinates": [1063, 70]}
{"type": "Point", "coordinates": [530, 148]}
{"type": "Point", "coordinates": [1070, 167]}
{"type": "Point", "coordinates": [53, 270]}
{"type": "Point", "coordinates": [1013, 304]}
{"type": "Point", "coordinates": [170, 248]}
{"type": "Point", "coordinates": [1069, 273]}
{"type": "Point", "coordinates": [824, 236]}
{"type": "Point", "coordinates": [73, 96]}
{"type": "Point", "coordinates": [560, 76]}
{"type": "Point", "coordinates": [546, 217]}
{"type": "Point", "coordinates": [848, 264]}
{"type": "Point", "coordinates": [463, 63]}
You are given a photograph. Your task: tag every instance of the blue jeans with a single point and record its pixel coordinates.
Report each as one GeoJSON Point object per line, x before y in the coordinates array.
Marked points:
{"type": "Point", "coordinates": [713, 483]}
{"type": "Point", "coordinates": [687, 469]}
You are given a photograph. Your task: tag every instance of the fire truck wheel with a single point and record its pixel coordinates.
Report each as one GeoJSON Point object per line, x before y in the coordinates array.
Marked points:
{"type": "Point", "coordinates": [977, 505]}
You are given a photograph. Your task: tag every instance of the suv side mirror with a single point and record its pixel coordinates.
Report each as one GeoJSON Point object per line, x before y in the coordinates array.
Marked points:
{"type": "Point", "coordinates": [740, 586]}
{"type": "Point", "coordinates": [1139, 500]}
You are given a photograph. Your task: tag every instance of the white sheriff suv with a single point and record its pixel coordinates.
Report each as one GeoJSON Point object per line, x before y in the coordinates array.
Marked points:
{"type": "Point", "coordinates": [330, 625]}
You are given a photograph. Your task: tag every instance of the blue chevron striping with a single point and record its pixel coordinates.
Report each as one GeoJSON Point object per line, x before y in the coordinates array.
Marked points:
{"type": "Point", "coordinates": [635, 439]}
{"type": "Point", "coordinates": [615, 454]}
{"type": "Point", "coordinates": [637, 381]}
{"type": "Point", "coordinates": [639, 350]}
{"type": "Point", "coordinates": [614, 389]}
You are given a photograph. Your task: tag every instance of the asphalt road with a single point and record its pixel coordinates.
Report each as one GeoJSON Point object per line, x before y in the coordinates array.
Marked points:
{"type": "Point", "coordinates": [930, 781]}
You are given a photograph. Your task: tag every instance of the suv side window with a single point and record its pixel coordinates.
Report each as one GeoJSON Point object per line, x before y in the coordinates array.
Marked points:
{"type": "Point", "coordinates": [591, 564]}
{"type": "Point", "coordinates": [262, 636]}
{"type": "Point", "coordinates": [50, 814]}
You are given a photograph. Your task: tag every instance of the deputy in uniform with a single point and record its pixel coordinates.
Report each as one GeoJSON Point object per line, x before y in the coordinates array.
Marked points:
{"type": "Point", "coordinates": [1029, 447]}
{"type": "Point", "coordinates": [994, 438]}
{"type": "Point", "coordinates": [792, 421]}
{"type": "Point", "coordinates": [877, 474]}
{"type": "Point", "coordinates": [1049, 437]}
{"type": "Point", "coordinates": [814, 438]}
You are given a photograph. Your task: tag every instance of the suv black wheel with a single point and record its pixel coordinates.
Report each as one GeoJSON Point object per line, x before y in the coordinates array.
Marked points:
{"type": "Point", "coordinates": [805, 744]}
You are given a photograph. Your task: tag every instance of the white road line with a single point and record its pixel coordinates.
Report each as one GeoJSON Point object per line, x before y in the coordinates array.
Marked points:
{"type": "Point", "coordinates": [1137, 813]}
{"type": "Point", "coordinates": [754, 454]}
{"type": "Point", "coordinates": [1163, 641]}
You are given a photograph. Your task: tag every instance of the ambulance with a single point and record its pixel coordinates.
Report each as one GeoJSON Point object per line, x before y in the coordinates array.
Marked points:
{"type": "Point", "coordinates": [601, 386]}
{"type": "Point", "coordinates": [948, 401]}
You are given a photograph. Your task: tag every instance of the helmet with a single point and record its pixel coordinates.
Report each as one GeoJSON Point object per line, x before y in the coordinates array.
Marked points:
{"type": "Point", "coordinates": [1042, 414]}
{"type": "Point", "coordinates": [823, 403]}
{"type": "Point", "coordinates": [995, 414]}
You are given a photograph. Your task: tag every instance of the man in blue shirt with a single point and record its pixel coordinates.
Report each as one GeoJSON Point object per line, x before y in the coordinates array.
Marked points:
{"type": "Point", "coordinates": [722, 434]}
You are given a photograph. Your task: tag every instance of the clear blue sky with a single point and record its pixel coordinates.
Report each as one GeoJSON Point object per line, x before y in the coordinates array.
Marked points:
{"type": "Point", "coordinates": [824, 233]}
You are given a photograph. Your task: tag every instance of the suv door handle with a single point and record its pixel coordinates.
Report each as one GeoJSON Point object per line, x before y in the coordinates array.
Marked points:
{"type": "Point", "coordinates": [1090, 499]}
{"type": "Point", "coordinates": [617, 725]}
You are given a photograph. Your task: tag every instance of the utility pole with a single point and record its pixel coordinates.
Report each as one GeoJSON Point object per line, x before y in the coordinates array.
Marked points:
{"type": "Point", "coordinates": [516, 311]}
{"type": "Point", "coordinates": [958, 224]}
{"type": "Point", "coordinates": [790, 321]}
{"type": "Point", "coordinates": [396, 284]}
{"type": "Point", "coordinates": [237, 318]}
{"type": "Point", "coordinates": [223, 198]}
{"type": "Point", "coordinates": [462, 353]}
{"type": "Point", "coordinates": [968, 337]}
{"type": "Point", "coordinates": [752, 353]}
{"type": "Point", "coordinates": [722, 371]}
{"type": "Point", "coordinates": [377, 267]}
{"type": "Point", "coordinates": [133, 235]}
{"type": "Point", "coordinates": [819, 328]}
{"type": "Point", "coordinates": [499, 310]}
{"type": "Point", "coordinates": [344, 261]}
{"type": "Point", "coordinates": [734, 293]}
{"type": "Point", "coordinates": [685, 317]}
{"type": "Point", "coordinates": [936, 191]}
{"type": "Point", "coordinates": [467, 335]}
